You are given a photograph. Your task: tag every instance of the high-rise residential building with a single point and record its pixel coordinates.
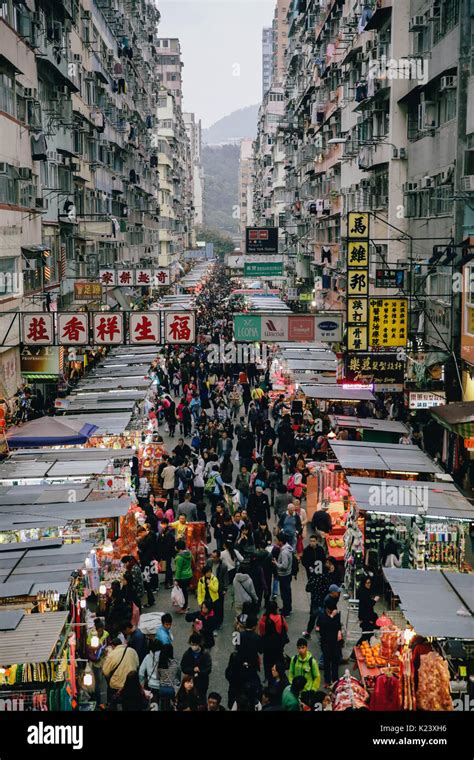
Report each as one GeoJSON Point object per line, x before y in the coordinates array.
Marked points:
{"type": "Point", "coordinates": [280, 40]}
{"type": "Point", "coordinates": [267, 164]}
{"type": "Point", "coordinates": [246, 170]}
{"type": "Point", "coordinates": [267, 58]}
{"type": "Point", "coordinates": [81, 116]}
{"type": "Point", "coordinates": [194, 132]}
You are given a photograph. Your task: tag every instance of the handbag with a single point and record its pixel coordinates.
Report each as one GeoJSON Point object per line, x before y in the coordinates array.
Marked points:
{"type": "Point", "coordinates": [177, 596]}
{"type": "Point", "coordinates": [147, 677]}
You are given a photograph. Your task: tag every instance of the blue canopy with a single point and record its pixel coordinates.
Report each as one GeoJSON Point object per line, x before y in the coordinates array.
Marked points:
{"type": "Point", "coordinates": [49, 431]}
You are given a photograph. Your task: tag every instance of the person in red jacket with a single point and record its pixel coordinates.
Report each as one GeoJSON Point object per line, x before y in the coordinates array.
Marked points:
{"type": "Point", "coordinates": [273, 629]}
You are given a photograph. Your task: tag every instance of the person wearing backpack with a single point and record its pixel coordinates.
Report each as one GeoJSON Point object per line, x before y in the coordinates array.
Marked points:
{"type": "Point", "coordinates": [284, 565]}
{"type": "Point", "coordinates": [214, 487]}
{"type": "Point", "coordinates": [183, 571]}
{"type": "Point", "coordinates": [185, 477]}
{"type": "Point", "coordinates": [273, 629]}
{"type": "Point", "coordinates": [304, 664]}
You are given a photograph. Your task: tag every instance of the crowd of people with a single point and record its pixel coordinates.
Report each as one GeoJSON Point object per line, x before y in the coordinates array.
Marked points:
{"type": "Point", "coordinates": [239, 466]}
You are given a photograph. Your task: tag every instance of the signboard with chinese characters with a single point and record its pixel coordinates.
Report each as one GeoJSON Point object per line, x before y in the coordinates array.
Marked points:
{"type": "Point", "coordinates": [379, 369]}
{"type": "Point", "coordinates": [161, 277]}
{"type": "Point", "coordinates": [358, 260]}
{"type": "Point", "coordinates": [87, 291]}
{"type": "Point", "coordinates": [264, 269]}
{"type": "Point", "coordinates": [37, 329]}
{"type": "Point", "coordinates": [143, 277]}
{"type": "Point", "coordinates": [261, 239]}
{"type": "Point", "coordinates": [273, 328]}
{"type": "Point", "coordinates": [125, 277]}
{"type": "Point", "coordinates": [107, 277]}
{"type": "Point", "coordinates": [180, 327]}
{"type": "Point", "coordinates": [144, 328]}
{"type": "Point", "coordinates": [388, 322]}
{"type": "Point", "coordinates": [389, 278]}
{"type": "Point", "coordinates": [73, 329]}
{"type": "Point", "coordinates": [425, 399]}
{"type": "Point", "coordinates": [107, 329]}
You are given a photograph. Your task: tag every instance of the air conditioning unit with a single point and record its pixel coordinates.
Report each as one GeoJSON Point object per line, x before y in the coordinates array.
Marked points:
{"type": "Point", "coordinates": [417, 24]}
{"type": "Point", "coordinates": [24, 172]}
{"type": "Point", "coordinates": [402, 153]}
{"type": "Point", "coordinates": [410, 187]}
{"type": "Point", "coordinates": [42, 203]}
{"type": "Point", "coordinates": [3, 167]}
{"type": "Point", "coordinates": [383, 203]}
{"type": "Point", "coordinates": [426, 182]}
{"type": "Point", "coordinates": [433, 13]}
{"type": "Point", "coordinates": [467, 183]}
{"type": "Point", "coordinates": [448, 83]}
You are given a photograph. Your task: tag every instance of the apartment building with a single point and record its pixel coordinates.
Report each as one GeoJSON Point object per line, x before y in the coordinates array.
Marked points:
{"type": "Point", "coordinates": [279, 41]}
{"type": "Point", "coordinates": [267, 58]}
{"type": "Point", "coordinates": [246, 170]}
{"type": "Point", "coordinates": [377, 117]}
{"type": "Point", "coordinates": [194, 133]}
{"type": "Point", "coordinates": [80, 112]}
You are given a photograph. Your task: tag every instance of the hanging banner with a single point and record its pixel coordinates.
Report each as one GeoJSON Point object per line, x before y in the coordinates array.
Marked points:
{"type": "Point", "coordinates": [125, 277]}
{"type": "Point", "coordinates": [37, 329]}
{"type": "Point", "coordinates": [358, 260]}
{"type": "Point", "coordinates": [380, 369]}
{"type": "Point", "coordinates": [162, 277]}
{"type": "Point", "coordinates": [73, 329]}
{"type": "Point", "coordinates": [388, 321]}
{"type": "Point", "coordinates": [107, 277]}
{"type": "Point", "coordinates": [180, 327]}
{"type": "Point", "coordinates": [273, 328]}
{"type": "Point", "coordinates": [39, 362]}
{"type": "Point", "coordinates": [144, 328]}
{"type": "Point", "coordinates": [107, 329]}
{"type": "Point", "coordinates": [264, 269]}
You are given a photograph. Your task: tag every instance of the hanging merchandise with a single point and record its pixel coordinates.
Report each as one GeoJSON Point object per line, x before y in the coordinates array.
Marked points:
{"type": "Point", "coordinates": [407, 683]}
{"type": "Point", "coordinates": [433, 692]}
{"type": "Point", "coordinates": [386, 694]}
{"type": "Point", "coordinates": [349, 694]}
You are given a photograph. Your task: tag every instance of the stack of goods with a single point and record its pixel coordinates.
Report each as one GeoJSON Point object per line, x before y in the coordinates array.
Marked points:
{"type": "Point", "coordinates": [349, 694]}
{"type": "Point", "coordinates": [390, 640]}
{"type": "Point", "coordinates": [442, 545]}
{"type": "Point", "coordinates": [375, 657]}
{"type": "Point", "coordinates": [407, 683]}
{"type": "Point", "coordinates": [386, 693]}
{"type": "Point", "coordinates": [433, 684]}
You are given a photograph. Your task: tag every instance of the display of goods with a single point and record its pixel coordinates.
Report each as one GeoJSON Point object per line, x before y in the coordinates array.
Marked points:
{"type": "Point", "coordinates": [349, 693]}
{"type": "Point", "coordinates": [336, 543]}
{"type": "Point", "coordinates": [434, 691]}
{"type": "Point", "coordinates": [407, 684]}
{"type": "Point", "coordinates": [373, 655]}
{"type": "Point", "coordinates": [390, 642]}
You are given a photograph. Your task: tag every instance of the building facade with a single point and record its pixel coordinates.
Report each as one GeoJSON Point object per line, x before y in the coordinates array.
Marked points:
{"type": "Point", "coordinates": [267, 58]}
{"type": "Point", "coordinates": [246, 170]}
{"type": "Point", "coordinates": [194, 132]}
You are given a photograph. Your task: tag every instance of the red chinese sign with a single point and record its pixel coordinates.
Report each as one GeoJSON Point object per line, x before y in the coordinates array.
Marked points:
{"type": "Point", "coordinates": [144, 328]}
{"type": "Point", "coordinates": [73, 329]}
{"type": "Point", "coordinates": [162, 277]}
{"type": "Point", "coordinates": [180, 327]}
{"type": "Point", "coordinates": [125, 277]}
{"type": "Point", "coordinates": [107, 329]}
{"type": "Point", "coordinates": [143, 277]}
{"type": "Point", "coordinates": [107, 277]}
{"type": "Point", "coordinates": [38, 329]}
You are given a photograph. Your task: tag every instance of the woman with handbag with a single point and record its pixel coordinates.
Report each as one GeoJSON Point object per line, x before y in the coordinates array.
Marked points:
{"type": "Point", "coordinates": [169, 676]}
{"type": "Point", "coordinates": [273, 629]}
{"type": "Point", "coordinates": [148, 673]}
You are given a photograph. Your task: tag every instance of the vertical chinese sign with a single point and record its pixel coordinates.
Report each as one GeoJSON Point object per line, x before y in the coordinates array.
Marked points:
{"type": "Point", "coordinates": [107, 329]}
{"type": "Point", "coordinates": [144, 328]}
{"type": "Point", "coordinates": [73, 329]}
{"type": "Point", "coordinates": [180, 327]}
{"type": "Point", "coordinates": [37, 329]}
{"type": "Point", "coordinates": [358, 232]}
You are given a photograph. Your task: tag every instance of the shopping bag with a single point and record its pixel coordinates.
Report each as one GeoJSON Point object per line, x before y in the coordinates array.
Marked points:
{"type": "Point", "coordinates": [177, 596]}
{"type": "Point", "coordinates": [299, 545]}
{"type": "Point", "coordinates": [135, 614]}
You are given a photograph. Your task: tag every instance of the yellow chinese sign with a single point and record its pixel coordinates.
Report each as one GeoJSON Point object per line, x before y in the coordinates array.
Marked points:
{"type": "Point", "coordinates": [357, 280]}
{"type": "Point", "coordinates": [87, 291]}
{"type": "Point", "coordinates": [357, 311]}
{"type": "Point", "coordinates": [388, 322]}
{"type": "Point", "coordinates": [358, 225]}
{"type": "Point", "coordinates": [357, 337]}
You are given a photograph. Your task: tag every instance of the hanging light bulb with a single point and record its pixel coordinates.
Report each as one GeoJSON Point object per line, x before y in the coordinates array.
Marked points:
{"type": "Point", "coordinates": [88, 679]}
{"type": "Point", "coordinates": [102, 588]}
{"type": "Point", "coordinates": [108, 546]}
{"type": "Point", "coordinates": [83, 603]}
{"type": "Point", "coordinates": [88, 562]}
{"type": "Point", "coordinates": [95, 642]}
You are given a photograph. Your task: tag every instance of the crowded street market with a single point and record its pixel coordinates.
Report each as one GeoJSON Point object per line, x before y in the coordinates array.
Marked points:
{"type": "Point", "coordinates": [190, 531]}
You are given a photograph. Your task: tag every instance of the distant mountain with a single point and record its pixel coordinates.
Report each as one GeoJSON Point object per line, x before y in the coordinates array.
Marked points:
{"type": "Point", "coordinates": [221, 187]}
{"type": "Point", "coordinates": [232, 128]}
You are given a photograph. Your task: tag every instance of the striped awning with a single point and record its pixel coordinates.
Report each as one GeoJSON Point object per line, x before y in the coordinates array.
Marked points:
{"type": "Point", "coordinates": [39, 376]}
{"type": "Point", "coordinates": [457, 417]}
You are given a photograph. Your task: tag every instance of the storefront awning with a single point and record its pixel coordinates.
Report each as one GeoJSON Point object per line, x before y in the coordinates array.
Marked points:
{"type": "Point", "coordinates": [34, 639]}
{"type": "Point", "coordinates": [432, 603]}
{"type": "Point", "coordinates": [383, 457]}
{"type": "Point", "coordinates": [337, 393]}
{"type": "Point", "coordinates": [457, 417]}
{"type": "Point", "coordinates": [48, 431]}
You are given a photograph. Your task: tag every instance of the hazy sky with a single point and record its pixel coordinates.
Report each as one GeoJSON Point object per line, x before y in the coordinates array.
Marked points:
{"type": "Point", "coordinates": [221, 44]}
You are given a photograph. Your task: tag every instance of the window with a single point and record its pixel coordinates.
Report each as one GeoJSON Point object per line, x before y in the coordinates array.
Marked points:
{"type": "Point", "coordinates": [468, 163]}
{"type": "Point", "coordinates": [165, 43]}
{"type": "Point", "coordinates": [7, 94]}
{"type": "Point", "coordinates": [8, 276]}
{"type": "Point", "coordinates": [447, 106]}
{"type": "Point", "coordinates": [446, 19]}
{"type": "Point", "coordinates": [9, 186]}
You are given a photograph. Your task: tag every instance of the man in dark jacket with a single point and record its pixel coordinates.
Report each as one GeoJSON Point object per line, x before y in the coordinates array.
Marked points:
{"type": "Point", "coordinates": [245, 446]}
{"type": "Point", "coordinates": [313, 557]}
{"type": "Point", "coordinates": [230, 531]}
{"type": "Point", "coordinates": [258, 507]}
{"type": "Point", "coordinates": [166, 550]}
{"type": "Point", "coordinates": [196, 662]}
{"type": "Point", "coordinates": [248, 652]}
{"type": "Point", "coordinates": [331, 641]}
{"type": "Point", "coordinates": [268, 433]}
{"type": "Point", "coordinates": [321, 521]}
{"type": "Point", "coordinates": [146, 544]}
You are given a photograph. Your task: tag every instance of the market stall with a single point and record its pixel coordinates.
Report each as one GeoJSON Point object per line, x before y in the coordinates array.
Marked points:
{"type": "Point", "coordinates": [370, 429]}
{"type": "Point", "coordinates": [385, 460]}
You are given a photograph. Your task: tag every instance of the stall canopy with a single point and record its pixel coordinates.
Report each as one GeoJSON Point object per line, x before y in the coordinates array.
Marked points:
{"type": "Point", "coordinates": [368, 423]}
{"type": "Point", "coordinates": [337, 393]}
{"type": "Point", "coordinates": [43, 564]}
{"type": "Point", "coordinates": [33, 639]}
{"type": "Point", "coordinates": [386, 457]}
{"type": "Point", "coordinates": [112, 423]}
{"type": "Point", "coordinates": [432, 602]}
{"type": "Point", "coordinates": [43, 515]}
{"type": "Point", "coordinates": [49, 431]}
{"type": "Point", "coordinates": [402, 497]}
{"type": "Point", "coordinates": [458, 417]}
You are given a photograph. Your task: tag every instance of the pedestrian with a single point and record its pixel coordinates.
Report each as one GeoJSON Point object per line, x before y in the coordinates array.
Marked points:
{"type": "Point", "coordinates": [96, 644]}
{"type": "Point", "coordinates": [169, 675]}
{"type": "Point", "coordinates": [242, 484]}
{"type": "Point", "coordinates": [196, 663]}
{"type": "Point", "coordinates": [219, 569]}
{"type": "Point", "coordinates": [132, 697]}
{"type": "Point", "coordinates": [367, 614]}
{"type": "Point", "coordinates": [188, 698]}
{"type": "Point", "coordinates": [146, 545]}
{"type": "Point", "coordinates": [330, 631]}
{"type": "Point", "coordinates": [304, 664]}
{"type": "Point", "coordinates": [290, 524]}
{"type": "Point", "coordinates": [149, 671]}
{"type": "Point", "coordinates": [136, 640]}
{"type": "Point", "coordinates": [244, 589]}
{"type": "Point", "coordinates": [218, 520]}
{"type": "Point", "coordinates": [187, 508]}
{"type": "Point", "coordinates": [258, 507]}
{"type": "Point", "coordinates": [290, 701]}
{"type": "Point", "coordinates": [133, 581]}
{"type": "Point", "coordinates": [313, 557]}
{"type": "Point", "coordinates": [163, 632]}
{"type": "Point", "coordinates": [273, 630]}
{"type": "Point", "coordinates": [321, 520]}
{"type": "Point", "coordinates": [278, 679]}
{"type": "Point", "coordinates": [214, 700]}
{"type": "Point", "coordinates": [166, 550]}
{"type": "Point", "coordinates": [183, 571]}
{"type": "Point", "coordinates": [281, 500]}
{"type": "Point", "coordinates": [231, 558]}
{"type": "Point", "coordinates": [262, 536]}
{"type": "Point", "coordinates": [208, 587]}
{"type": "Point", "coordinates": [169, 480]}
{"type": "Point", "coordinates": [284, 568]}
{"type": "Point", "coordinates": [119, 662]}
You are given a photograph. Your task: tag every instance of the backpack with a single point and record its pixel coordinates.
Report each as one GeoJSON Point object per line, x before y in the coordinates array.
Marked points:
{"type": "Point", "coordinates": [310, 662]}
{"type": "Point", "coordinates": [210, 484]}
{"type": "Point", "coordinates": [185, 474]}
{"type": "Point", "coordinates": [291, 483]}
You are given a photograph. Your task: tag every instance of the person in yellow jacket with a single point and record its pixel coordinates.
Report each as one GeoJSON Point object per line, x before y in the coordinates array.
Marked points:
{"type": "Point", "coordinates": [208, 587]}
{"type": "Point", "coordinates": [180, 526]}
{"type": "Point", "coordinates": [120, 661]}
